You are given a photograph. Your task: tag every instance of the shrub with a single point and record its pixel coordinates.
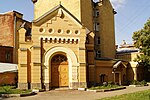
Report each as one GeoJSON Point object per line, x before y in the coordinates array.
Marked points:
{"type": "Point", "coordinates": [135, 82]}
{"type": "Point", "coordinates": [105, 83]}
{"type": "Point", "coordinates": [111, 83]}
{"type": "Point", "coordinates": [143, 83]}
{"type": "Point", "coordinates": [12, 90]}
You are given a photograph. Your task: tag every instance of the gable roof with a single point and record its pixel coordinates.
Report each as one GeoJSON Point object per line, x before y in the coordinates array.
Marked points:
{"type": "Point", "coordinates": [117, 64]}
{"type": "Point", "coordinates": [53, 10]}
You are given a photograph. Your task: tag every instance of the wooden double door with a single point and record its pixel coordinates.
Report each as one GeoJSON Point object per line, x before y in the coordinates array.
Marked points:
{"type": "Point", "coordinates": [59, 71]}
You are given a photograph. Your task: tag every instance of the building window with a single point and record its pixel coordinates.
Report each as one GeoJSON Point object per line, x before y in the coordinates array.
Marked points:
{"type": "Point", "coordinates": [96, 26]}
{"type": "Point", "coordinates": [51, 30]}
{"type": "Point", "coordinates": [97, 13]}
{"type": "Point", "coordinates": [8, 56]}
{"type": "Point", "coordinates": [102, 78]}
{"type": "Point", "coordinates": [60, 31]}
{"type": "Point", "coordinates": [98, 40]}
{"type": "Point", "coordinates": [59, 58]}
{"type": "Point", "coordinates": [98, 54]}
{"type": "Point", "coordinates": [68, 32]}
{"type": "Point", "coordinates": [77, 32]}
{"type": "Point", "coordinates": [41, 30]}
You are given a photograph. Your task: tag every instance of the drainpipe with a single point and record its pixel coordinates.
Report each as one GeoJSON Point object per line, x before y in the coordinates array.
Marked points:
{"type": "Point", "coordinates": [41, 42]}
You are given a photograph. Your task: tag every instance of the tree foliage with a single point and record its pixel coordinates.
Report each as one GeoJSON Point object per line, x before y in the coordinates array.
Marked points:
{"type": "Point", "coordinates": [142, 41]}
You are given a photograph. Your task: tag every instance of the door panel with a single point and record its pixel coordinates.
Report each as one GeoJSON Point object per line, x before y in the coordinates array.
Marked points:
{"type": "Point", "coordinates": [117, 78]}
{"type": "Point", "coordinates": [59, 72]}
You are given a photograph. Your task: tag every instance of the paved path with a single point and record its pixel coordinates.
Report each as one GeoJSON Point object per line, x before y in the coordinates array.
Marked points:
{"type": "Point", "coordinates": [78, 95]}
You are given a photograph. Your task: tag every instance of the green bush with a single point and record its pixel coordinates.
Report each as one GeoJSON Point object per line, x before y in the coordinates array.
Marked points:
{"type": "Point", "coordinates": [7, 89]}
{"type": "Point", "coordinates": [143, 83]}
{"type": "Point", "coordinates": [111, 83]}
{"type": "Point", "coordinates": [12, 90]}
{"type": "Point", "coordinates": [109, 86]}
{"type": "Point", "coordinates": [135, 82]}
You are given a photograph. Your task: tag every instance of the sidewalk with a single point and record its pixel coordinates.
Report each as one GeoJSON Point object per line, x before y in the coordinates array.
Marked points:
{"type": "Point", "coordinates": [78, 95]}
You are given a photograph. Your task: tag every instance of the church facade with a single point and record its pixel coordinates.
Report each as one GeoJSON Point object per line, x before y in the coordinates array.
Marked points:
{"type": "Point", "coordinates": [71, 43]}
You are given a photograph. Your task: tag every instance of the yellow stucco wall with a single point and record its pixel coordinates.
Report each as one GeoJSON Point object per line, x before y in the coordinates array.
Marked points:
{"type": "Point", "coordinates": [104, 67]}
{"type": "Point", "coordinates": [106, 29]}
{"type": "Point", "coordinates": [128, 56]}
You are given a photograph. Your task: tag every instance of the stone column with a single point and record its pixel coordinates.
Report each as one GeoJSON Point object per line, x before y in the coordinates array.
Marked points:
{"type": "Point", "coordinates": [74, 84]}
{"type": "Point", "coordinates": [135, 73]}
{"type": "Point", "coordinates": [82, 75]}
{"type": "Point", "coordinates": [46, 77]}
{"type": "Point", "coordinates": [36, 68]}
{"type": "Point", "coordinates": [22, 69]}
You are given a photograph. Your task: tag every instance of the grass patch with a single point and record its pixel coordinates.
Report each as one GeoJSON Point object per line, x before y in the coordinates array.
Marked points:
{"type": "Point", "coordinates": [12, 90]}
{"type": "Point", "coordinates": [143, 95]}
{"type": "Point", "coordinates": [104, 87]}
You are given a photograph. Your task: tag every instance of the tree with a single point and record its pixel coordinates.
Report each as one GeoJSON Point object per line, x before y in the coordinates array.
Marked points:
{"type": "Point", "coordinates": [142, 41]}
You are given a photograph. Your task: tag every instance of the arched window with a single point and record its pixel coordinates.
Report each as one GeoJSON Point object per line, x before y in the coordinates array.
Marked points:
{"type": "Point", "coordinates": [59, 58]}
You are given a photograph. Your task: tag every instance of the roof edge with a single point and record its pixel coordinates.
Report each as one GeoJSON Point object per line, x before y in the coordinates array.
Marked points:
{"type": "Point", "coordinates": [54, 9]}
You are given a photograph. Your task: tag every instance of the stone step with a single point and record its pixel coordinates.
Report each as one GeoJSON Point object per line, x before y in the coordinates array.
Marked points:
{"type": "Point", "coordinates": [62, 88]}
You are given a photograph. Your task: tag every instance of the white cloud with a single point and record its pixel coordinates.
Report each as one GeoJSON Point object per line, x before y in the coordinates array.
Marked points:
{"type": "Point", "coordinates": [118, 3]}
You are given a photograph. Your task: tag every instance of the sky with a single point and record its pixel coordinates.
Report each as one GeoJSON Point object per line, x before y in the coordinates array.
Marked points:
{"type": "Point", "coordinates": [131, 15]}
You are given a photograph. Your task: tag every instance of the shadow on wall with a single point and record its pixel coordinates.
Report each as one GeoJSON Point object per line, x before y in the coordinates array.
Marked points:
{"type": "Point", "coordinates": [139, 73]}
{"type": "Point", "coordinates": [130, 74]}
{"type": "Point", "coordinates": [143, 73]}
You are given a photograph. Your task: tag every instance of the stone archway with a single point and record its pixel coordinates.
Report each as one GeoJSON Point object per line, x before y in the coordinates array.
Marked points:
{"type": "Point", "coordinates": [72, 65]}
{"type": "Point", "coordinates": [59, 71]}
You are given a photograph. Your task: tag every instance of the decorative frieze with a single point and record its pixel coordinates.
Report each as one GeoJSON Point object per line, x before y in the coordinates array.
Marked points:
{"type": "Point", "coordinates": [61, 40]}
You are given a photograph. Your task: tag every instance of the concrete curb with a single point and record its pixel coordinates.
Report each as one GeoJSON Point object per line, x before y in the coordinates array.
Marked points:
{"type": "Point", "coordinates": [138, 85]}
{"type": "Point", "coordinates": [17, 95]}
{"type": "Point", "coordinates": [106, 90]}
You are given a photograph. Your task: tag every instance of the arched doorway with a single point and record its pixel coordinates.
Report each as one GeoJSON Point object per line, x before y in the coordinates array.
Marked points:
{"type": "Point", "coordinates": [59, 71]}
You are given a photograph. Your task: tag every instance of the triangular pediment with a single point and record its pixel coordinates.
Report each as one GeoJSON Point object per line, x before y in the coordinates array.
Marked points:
{"type": "Point", "coordinates": [58, 11]}
{"type": "Point", "coordinates": [119, 63]}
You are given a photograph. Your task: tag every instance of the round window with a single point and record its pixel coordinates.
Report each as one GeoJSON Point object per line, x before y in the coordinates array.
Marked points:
{"type": "Point", "coordinates": [41, 30]}
{"type": "Point", "coordinates": [68, 32]}
{"type": "Point", "coordinates": [60, 31]}
{"type": "Point", "coordinates": [51, 30]}
{"type": "Point", "coordinates": [76, 32]}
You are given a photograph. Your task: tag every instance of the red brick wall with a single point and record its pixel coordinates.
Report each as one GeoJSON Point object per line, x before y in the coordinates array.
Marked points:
{"type": "Point", "coordinates": [6, 54]}
{"type": "Point", "coordinates": [6, 29]}
{"type": "Point", "coordinates": [8, 78]}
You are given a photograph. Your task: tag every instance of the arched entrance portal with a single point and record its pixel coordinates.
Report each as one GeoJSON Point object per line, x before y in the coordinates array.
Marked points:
{"type": "Point", "coordinates": [59, 71]}
{"type": "Point", "coordinates": [72, 66]}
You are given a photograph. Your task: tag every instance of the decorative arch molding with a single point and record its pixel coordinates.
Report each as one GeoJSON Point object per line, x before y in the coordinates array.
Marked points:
{"type": "Point", "coordinates": [51, 52]}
